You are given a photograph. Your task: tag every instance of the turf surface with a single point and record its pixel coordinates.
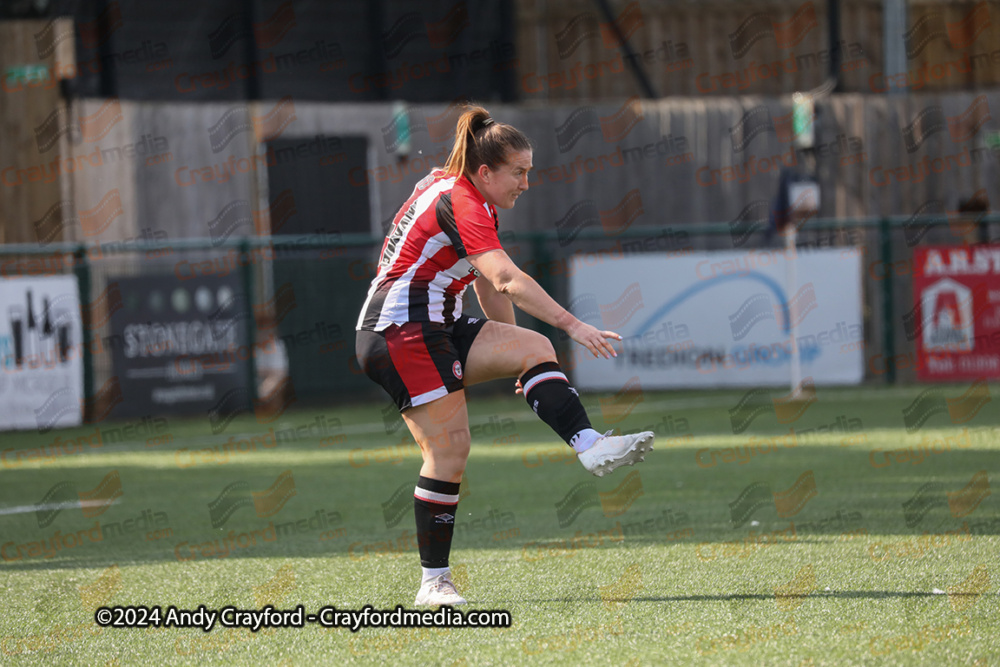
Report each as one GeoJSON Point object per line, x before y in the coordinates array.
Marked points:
{"type": "Point", "coordinates": [861, 530]}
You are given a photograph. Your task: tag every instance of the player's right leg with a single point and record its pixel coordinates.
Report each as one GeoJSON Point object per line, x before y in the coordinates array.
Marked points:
{"type": "Point", "coordinates": [508, 351]}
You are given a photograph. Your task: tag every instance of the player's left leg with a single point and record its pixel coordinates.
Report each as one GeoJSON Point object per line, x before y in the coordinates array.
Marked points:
{"type": "Point", "coordinates": [420, 368]}
{"type": "Point", "coordinates": [441, 428]}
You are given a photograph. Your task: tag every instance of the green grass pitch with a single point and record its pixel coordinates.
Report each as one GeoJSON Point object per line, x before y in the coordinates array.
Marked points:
{"type": "Point", "coordinates": [859, 528]}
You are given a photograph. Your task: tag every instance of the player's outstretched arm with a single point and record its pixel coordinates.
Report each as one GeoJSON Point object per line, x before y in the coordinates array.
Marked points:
{"type": "Point", "coordinates": [525, 293]}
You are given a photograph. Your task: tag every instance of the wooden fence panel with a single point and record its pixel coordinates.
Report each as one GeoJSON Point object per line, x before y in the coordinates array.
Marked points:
{"type": "Point", "coordinates": [33, 139]}
{"type": "Point", "coordinates": [747, 48]}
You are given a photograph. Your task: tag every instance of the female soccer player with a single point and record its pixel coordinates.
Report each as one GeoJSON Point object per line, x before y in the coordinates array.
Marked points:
{"type": "Point", "coordinates": [414, 341]}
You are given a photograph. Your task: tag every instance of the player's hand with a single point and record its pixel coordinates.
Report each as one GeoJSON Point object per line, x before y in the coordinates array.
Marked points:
{"type": "Point", "coordinates": [594, 339]}
{"type": "Point", "coordinates": [518, 389]}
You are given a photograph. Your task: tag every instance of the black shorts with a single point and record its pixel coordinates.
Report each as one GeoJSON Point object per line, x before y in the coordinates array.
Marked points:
{"type": "Point", "coordinates": [418, 362]}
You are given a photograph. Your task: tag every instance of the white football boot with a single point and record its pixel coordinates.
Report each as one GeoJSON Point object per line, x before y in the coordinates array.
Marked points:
{"type": "Point", "coordinates": [614, 451]}
{"type": "Point", "coordinates": [439, 591]}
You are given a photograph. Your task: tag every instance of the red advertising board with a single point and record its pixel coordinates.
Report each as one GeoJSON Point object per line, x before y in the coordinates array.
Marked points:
{"type": "Point", "coordinates": [957, 315]}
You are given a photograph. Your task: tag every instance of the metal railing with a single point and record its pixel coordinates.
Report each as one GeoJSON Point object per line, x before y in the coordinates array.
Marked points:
{"type": "Point", "coordinates": [880, 237]}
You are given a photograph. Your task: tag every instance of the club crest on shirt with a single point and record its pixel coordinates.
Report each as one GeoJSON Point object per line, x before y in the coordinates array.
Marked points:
{"type": "Point", "coordinates": [456, 368]}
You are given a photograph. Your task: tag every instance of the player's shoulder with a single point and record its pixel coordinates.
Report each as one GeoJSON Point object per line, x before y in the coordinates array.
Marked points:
{"type": "Point", "coordinates": [467, 198]}
{"type": "Point", "coordinates": [436, 176]}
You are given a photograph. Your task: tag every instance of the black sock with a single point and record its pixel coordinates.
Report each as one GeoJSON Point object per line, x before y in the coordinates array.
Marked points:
{"type": "Point", "coordinates": [434, 506]}
{"type": "Point", "coordinates": [557, 404]}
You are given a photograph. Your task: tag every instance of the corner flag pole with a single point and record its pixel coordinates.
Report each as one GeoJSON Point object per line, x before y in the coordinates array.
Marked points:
{"type": "Point", "coordinates": [791, 285]}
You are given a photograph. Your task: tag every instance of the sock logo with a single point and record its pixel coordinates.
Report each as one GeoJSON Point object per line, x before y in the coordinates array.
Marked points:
{"type": "Point", "coordinates": [444, 518]}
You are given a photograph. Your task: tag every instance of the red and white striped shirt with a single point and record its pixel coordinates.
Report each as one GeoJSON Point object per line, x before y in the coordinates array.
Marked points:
{"type": "Point", "coordinates": [422, 271]}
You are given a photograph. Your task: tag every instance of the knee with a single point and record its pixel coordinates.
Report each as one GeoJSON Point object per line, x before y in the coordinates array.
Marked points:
{"type": "Point", "coordinates": [451, 448]}
{"type": "Point", "coordinates": [539, 350]}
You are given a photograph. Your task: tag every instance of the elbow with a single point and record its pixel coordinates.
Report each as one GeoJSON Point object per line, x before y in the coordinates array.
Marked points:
{"type": "Point", "coordinates": [506, 283]}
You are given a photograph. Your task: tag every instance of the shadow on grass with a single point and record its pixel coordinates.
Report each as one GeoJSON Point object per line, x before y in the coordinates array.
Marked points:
{"type": "Point", "coordinates": [765, 597]}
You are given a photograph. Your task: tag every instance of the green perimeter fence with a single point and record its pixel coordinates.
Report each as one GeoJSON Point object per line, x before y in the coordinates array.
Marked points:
{"type": "Point", "coordinates": [307, 290]}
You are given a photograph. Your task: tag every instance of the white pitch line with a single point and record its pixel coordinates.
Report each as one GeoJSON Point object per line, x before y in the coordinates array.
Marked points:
{"type": "Point", "coordinates": [25, 509]}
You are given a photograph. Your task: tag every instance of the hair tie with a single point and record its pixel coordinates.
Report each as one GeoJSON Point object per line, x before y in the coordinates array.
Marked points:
{"type": "Point", "coordinates": [487, 122]}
